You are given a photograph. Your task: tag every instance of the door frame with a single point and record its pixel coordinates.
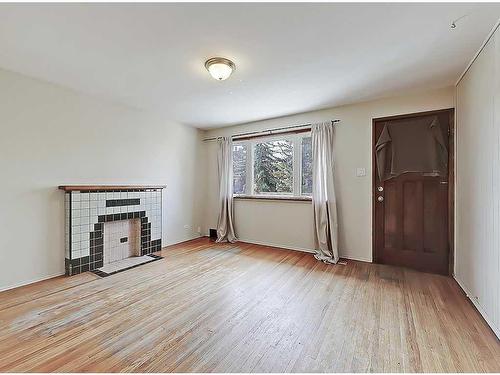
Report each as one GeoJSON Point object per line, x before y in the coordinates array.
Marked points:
{"type": "Point", "coordinates": [451, 180]}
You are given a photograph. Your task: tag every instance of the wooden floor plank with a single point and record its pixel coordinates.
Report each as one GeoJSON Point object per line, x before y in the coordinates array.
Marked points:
{"type": "Point", "coordinates": [210, 307]}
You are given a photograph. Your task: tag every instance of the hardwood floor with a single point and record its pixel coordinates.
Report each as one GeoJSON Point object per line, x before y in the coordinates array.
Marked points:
{"type": "Point", "coordinates": [245, 308]}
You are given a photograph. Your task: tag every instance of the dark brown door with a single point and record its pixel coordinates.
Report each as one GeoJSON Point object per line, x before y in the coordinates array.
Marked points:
{"type": "Point", "coordinates": [411, 211]}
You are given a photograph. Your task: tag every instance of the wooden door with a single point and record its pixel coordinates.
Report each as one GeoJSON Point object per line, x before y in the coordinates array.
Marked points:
{"type": "Point", "coordinates": [411, 211]}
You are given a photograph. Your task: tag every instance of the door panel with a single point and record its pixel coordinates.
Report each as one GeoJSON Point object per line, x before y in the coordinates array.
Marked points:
{"type": "Point", "coordinates": [411, 217]}
{"type": "Point", "coordinates": [432, 227]}
{"type": "Point", "coordinates": [390, 219]}
{"type": "Point", "coordinates": [411, 214]}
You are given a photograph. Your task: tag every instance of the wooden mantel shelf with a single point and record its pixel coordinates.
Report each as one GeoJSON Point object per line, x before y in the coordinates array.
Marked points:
{"type": "Point", "coordinates": [109, 187]}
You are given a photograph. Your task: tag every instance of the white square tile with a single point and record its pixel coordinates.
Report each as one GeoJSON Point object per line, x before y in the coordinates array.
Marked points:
{"type": "Point", "coordinates": [110, 195]}
{"type": "Point", "coordinates": [75, 196]}
{"type": "Point", "coordinates": [75, 221]}
{"type": "Point", "coordinates": [94, 196]}
{"type": "Point", "coordinates": [84, 197]}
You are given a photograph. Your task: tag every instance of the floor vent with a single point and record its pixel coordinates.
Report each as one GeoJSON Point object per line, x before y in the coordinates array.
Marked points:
{"type": "Point", "coordinates": [213, 234]}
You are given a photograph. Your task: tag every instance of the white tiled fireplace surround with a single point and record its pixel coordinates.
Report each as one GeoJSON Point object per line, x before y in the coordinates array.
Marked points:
{"type": "Point", "coordinates": [106, 224]}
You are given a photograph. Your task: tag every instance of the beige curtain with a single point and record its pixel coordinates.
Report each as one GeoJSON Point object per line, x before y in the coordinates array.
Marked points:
{"type": "Point", "coordinates": [323, 194]}
{"type": "Point", "coordinates": [225, 227]}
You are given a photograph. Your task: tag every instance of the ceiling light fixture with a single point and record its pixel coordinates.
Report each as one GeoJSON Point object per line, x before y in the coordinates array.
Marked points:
{"type": "Point", "coordinates": [220, 68]}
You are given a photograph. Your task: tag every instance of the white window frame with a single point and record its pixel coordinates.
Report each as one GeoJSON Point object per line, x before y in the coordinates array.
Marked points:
{"type": "Point", "coordinates": [296, 139]}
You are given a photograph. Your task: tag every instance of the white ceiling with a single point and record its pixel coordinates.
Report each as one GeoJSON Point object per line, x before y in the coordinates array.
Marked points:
{"type": "Point", "coordinates": [290, 57]}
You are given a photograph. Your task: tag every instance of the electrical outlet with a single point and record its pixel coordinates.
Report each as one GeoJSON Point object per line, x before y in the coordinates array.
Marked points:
{"type": "Point", "coordinates": [360, 172]}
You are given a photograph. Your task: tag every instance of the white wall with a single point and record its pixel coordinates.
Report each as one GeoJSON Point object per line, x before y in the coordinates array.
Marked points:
{"type": "Point", "coordinates": [477, 259]}
{"type": "Point", "coordinates": [289, 224]}
{"type": "Point", "coordinates": [51, 136]}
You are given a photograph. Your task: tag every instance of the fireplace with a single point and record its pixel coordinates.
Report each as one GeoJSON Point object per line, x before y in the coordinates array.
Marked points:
{"type": "Point", "coordinates": [106, 224]}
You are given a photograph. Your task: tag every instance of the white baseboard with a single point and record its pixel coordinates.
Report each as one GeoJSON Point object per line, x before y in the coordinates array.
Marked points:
{"type": "Point", "coordinates": [479, 308]}
{"type": "Point", "coordinates": [288, 247]}
{"type": "Point", "coordinates": [304, 250]}
{"type": "Point", "coordinates": [31, 281]}
{"type": "Point", "coordinates": [190, 238]}
{"type": "Point", "coordinates": [359, 259]}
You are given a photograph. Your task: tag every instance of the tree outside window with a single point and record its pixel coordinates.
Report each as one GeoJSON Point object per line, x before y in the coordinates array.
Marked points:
{"type": "Point", "coordinates": [273, 166]}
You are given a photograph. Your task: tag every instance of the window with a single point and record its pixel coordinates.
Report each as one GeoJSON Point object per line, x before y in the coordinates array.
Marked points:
{"type": "Point", "coordinates": [273, 166]}
{"type": "Point", "coordinates": [306, 181]}
{"type": "Point", "coordinates": [239, 168]}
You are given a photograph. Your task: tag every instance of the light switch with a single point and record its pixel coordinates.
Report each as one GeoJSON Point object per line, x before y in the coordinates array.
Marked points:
{"type": "Point", "coordinates": [360, 172]}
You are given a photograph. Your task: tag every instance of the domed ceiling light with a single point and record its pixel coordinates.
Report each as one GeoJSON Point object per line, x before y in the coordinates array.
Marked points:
{"type": "Point", "coordinates": [220, 68]}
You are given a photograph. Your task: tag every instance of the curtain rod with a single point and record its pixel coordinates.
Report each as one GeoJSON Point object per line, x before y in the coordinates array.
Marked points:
{"type": "Point", "coordinates": [268, 131]}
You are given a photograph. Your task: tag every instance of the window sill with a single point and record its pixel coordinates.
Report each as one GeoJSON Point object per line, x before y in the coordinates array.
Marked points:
{"type": "Point", "coordinates": [273, 198]}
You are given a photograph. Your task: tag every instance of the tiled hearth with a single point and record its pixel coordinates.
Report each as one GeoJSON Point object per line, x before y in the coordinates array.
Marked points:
{"type": "Point", "coordinates": [110, 224]}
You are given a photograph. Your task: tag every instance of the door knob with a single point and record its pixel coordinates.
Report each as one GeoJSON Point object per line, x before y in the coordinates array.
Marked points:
{"type": "Point", "coordinates": [380, 198]}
